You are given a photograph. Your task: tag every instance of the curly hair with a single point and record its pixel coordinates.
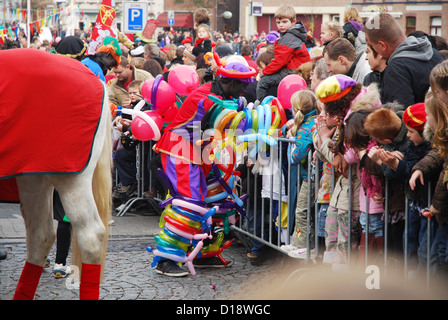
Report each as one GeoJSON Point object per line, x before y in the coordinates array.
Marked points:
{"type": "Point", "coordinates": [439, 112]}
{"type": "Point", "coordinates": [341, 106]}
{"type": "Point", "coordinates": [339, 109]}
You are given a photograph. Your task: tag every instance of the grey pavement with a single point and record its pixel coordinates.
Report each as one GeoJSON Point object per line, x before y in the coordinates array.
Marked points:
{"type": "Point", "coordinates": [128, 272]}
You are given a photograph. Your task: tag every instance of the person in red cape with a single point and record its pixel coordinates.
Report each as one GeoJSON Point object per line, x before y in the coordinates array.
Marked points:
{"type": "Point", "coordinates": [180, 156]}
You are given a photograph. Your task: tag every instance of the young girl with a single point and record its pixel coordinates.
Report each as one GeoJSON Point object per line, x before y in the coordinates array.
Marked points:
{"type": "Point", "coordinates": [437, 120]}
{"type": "Point", "coordinates": [324, 128]}
{"type": "Point", "coordinates": [203, 42]}
{"type": "Point", "coordinates": [304, 108]}
{"type": "Point", "coordinates": [372, 182]}
{"type": "Point", "coordinates": [330, 31]}
{"type": "Point", "coordinates": [439, 81]}
{"type": "Point", "coordinates": [341, 95]}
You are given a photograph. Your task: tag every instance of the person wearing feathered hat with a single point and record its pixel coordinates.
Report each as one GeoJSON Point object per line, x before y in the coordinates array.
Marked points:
{"type": "Point", "coordinates": [180, 154]}
{"type": "Point", "coordinates": [106, 57]}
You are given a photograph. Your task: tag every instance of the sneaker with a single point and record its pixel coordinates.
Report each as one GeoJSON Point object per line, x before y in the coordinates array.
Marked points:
{"type": "Point", "coordinates": [287, 247]}
{"type": "Point", "coordinates": [252, 255]}
{"type": "Point", "coordinates": [171, 269]}
{"type": "Point", "coordinates": [300, 253]}
{"type": "Point", "coordinates": [212, 262]}
{"type": "Point", "coordinates": [47, 263]}
{"type": "Point", "coordinates": [61, 271]}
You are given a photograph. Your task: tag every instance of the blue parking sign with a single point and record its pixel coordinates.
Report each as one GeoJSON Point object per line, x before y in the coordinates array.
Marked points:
{"type": "Point", "coordinates": [135, 19]}
{"type": "Point", "coordinates": [135, 15]}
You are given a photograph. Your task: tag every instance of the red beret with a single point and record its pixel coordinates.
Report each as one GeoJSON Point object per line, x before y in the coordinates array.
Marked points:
{"type": "Point", "coordinates": [415, 116]}
{"type": "Point", "coordinates": [187, 40]}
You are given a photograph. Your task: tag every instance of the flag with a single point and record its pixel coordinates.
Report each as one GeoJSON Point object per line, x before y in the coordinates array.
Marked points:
{"type": "Point", "coordinates": [105, 25]}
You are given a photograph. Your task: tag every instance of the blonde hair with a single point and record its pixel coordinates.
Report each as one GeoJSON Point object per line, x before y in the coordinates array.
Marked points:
{"type": "Point", "coordinates": [302, 102]}
{"type": "Point", "coordinates": [285, 12]}
{"type": "Point", "coordinates": [439, 112]}
{"type": "Point", "coordinates": [352, 14]}
{"type": "Point", "coordinates": [438, 77]}
{"type": "Point", "coordinates": [206, 27]}
{"type": "Point", "coordinates": [304, 70]}
{"type": "Point", "coordinates": [334, 27]}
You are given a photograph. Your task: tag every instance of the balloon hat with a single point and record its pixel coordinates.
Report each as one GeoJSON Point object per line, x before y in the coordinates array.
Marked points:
{"type": "Point", "coordinates": [239, 71]}
{"type": "Point", "coordinates": [235, 70]}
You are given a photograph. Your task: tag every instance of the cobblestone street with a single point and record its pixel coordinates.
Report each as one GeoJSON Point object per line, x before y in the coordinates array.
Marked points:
{"type": "Point", "coordinates": [128, 272]}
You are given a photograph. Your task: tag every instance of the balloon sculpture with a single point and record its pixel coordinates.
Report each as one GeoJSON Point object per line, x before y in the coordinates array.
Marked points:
{"type": "Point", "coordinates": [286, 88]}
{"type": "Point", "coordinates": [231, 126]}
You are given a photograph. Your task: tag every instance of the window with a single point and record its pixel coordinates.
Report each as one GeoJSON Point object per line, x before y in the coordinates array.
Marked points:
{"type": "Point", "coordinates": [436, 26]}
{"type": "Point", "coordinates": [410, 24]}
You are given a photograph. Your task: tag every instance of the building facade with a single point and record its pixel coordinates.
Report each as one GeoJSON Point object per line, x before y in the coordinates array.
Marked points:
{"type": "Point", "coordinates": [427, 16]}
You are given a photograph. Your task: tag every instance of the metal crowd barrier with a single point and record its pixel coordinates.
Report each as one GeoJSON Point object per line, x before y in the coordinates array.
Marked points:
{"type": "Point", "coordinates": [269, 233]}
{"type": "Point", "coordinates": [141, 167]}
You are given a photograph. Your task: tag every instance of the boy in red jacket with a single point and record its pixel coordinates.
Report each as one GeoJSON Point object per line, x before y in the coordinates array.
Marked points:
{"type": "Point", "coordinates": [289, 53]}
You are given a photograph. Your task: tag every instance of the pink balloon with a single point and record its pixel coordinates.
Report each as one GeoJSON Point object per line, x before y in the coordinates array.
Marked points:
{"type": "Point", "coordinates": [288, 86]}
{"type": "Point", "coordinates": [142, 130]}
{"type": "Point", "coordinates": [183, 79]}
{"type": "Point", "coordinates": [165, 95]}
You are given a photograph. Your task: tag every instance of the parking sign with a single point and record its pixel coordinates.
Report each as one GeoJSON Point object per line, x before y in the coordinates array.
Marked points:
{"type": "Point", "coordinates": [135, 16]}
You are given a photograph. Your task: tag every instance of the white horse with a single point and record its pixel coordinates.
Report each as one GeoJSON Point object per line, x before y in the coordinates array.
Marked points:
{"type": "Point", "coordinates": [86, 196]}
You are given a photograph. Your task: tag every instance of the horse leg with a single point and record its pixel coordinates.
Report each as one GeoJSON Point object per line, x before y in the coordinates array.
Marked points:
{"type": "Point", "coordinates": [79, 204]}
{"type": "Point", "coordinates": [36, 206]}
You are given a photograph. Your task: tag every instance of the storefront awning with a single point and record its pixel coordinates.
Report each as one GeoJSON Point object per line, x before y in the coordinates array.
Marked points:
{"type": "Point", "coordinates": [181, 20]}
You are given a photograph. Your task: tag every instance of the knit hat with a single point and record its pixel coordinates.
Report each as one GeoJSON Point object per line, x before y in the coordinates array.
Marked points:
{"type": "Point", "coordinates": [72, 47]}
{"type": "Point", "coordinates": [334, 88]}
{"type": "Point", "coordinates": [415, 116]}
{"type": "Point", "coordinates": [223, 51]}
{"type": "Point", "coordinates": [110, 45]}
{"type": "Point", "coordinates": [187, 40]}
{"type": "Point", "coordinates": [272, 36]}
{"type": "Point", "coordinates": [190, 55]}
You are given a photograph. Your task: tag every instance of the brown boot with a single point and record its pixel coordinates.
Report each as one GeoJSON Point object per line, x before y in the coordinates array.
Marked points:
{"type": "Point", "coordinates": [362, 248]}
{"type": "Point", "coordinates": [379, 244]}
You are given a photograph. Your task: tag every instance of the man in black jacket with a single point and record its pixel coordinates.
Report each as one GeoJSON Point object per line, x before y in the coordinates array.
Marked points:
{"type": "Point", "coordinates": [409, 60]}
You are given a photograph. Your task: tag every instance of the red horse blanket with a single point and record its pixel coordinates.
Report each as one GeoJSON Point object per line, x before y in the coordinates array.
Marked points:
{"type": "Point", "coordinates": [50, 107]}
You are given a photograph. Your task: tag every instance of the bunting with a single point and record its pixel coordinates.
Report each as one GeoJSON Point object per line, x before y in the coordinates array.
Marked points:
{"type": "Point", "coordinates": [41, 18]}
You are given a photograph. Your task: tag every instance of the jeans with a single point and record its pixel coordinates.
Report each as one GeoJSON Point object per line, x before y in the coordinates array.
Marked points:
{"type": "Point", "coordinates": [321, 217]}
{"type": "Point", "coordinates": [417, 225]}
{"type": "Point", "coordinates": [422, 251]}
{"type": "Point", "coordinates": [255, 223]}
{"type": "Point", "coordinates": [376, 223]}
{"type": "Point", "coordinates": [439, 249]}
